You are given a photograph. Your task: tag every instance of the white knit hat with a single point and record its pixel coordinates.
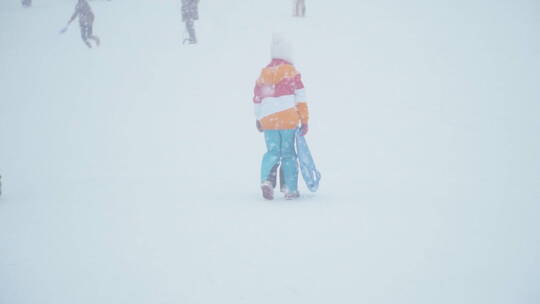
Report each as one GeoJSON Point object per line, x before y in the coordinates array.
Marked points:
{"type": "Point", "coordinates": [281, 48]}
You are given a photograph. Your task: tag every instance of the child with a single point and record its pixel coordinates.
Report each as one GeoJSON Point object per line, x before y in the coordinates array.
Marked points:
{"type": "Point", "coordinates": [190, 13]}
{"type": "Point", "coordinates": [26, 3]}
{"type": "Point", "coordinates": [86, 21]}
{"type": "Point", "coordinates": [280, 105]}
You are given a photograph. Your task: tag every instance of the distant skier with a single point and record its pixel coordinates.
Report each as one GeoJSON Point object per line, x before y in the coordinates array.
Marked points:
{"type": "Point", "coordinates": [86, 22]}
{"type": "Point", "coordinates": [190, 13]}
{"type": "Point", "coordinates": [26, 3]}
{"type": "Point", "coordinates": [299, 8]}
{"type": "Point", "coordinates": [280, 105]}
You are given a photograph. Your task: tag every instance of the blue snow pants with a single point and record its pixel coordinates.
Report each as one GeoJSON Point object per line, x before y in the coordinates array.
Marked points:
{"type": "Point", "coordinates": [280, 146]}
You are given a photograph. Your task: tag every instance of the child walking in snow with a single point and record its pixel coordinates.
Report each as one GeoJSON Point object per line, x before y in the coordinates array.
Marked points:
{"type": "Point", "coordinates": [190, 13]}
{"type": "Point", "coordinates": [86, 22]}
{"type": "Point", "coordinates": [280, 106]}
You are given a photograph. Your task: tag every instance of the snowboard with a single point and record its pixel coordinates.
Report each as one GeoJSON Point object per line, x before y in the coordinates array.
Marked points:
{"type": "Point", "coordinates": [307, 166]}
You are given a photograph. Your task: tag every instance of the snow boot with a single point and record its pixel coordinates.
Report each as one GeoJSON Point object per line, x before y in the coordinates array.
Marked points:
{"type": "Point", "coordinates": [267, 190]}
{"type": "Point", "coordinates": [292, 195]}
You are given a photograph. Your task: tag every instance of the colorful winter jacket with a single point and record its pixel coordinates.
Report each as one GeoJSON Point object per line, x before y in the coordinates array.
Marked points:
{"type": "Point", "coordinates": [280, 99]}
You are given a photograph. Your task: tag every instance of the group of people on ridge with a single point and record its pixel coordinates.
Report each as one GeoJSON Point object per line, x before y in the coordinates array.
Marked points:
{"type": "Point", "coordinates": [83, 11]}
{"type": "Point", "coordinates": [189, 8]}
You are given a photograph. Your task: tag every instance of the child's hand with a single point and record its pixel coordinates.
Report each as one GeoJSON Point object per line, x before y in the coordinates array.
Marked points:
{"type": "Point", "coordinates": [304, 129]}
{"type": "Point", "coordinates": [259, 127]}
{"type": "Point", "coordinates": [63, 30]}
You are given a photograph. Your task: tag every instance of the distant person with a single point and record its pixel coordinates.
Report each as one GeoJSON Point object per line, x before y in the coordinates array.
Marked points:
{"type": "Point", "coordinates": [26, 3]}
{"type": "Point", "coordinates": [86, 22]}
{"type": "Point", "coordinates": [280, 106]}
{"type": "Point", "coordinates": [299, 8]}
{"type": "Point", "coordinates": [190, 13]}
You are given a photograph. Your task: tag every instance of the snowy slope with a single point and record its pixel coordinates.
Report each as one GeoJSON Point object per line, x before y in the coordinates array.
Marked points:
{"type": "Point", "coordinates": [130, 172]}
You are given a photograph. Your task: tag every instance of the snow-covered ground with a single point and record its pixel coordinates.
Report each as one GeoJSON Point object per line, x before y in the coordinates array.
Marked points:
{"type": "Point", "coordinates": [130, 172]}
